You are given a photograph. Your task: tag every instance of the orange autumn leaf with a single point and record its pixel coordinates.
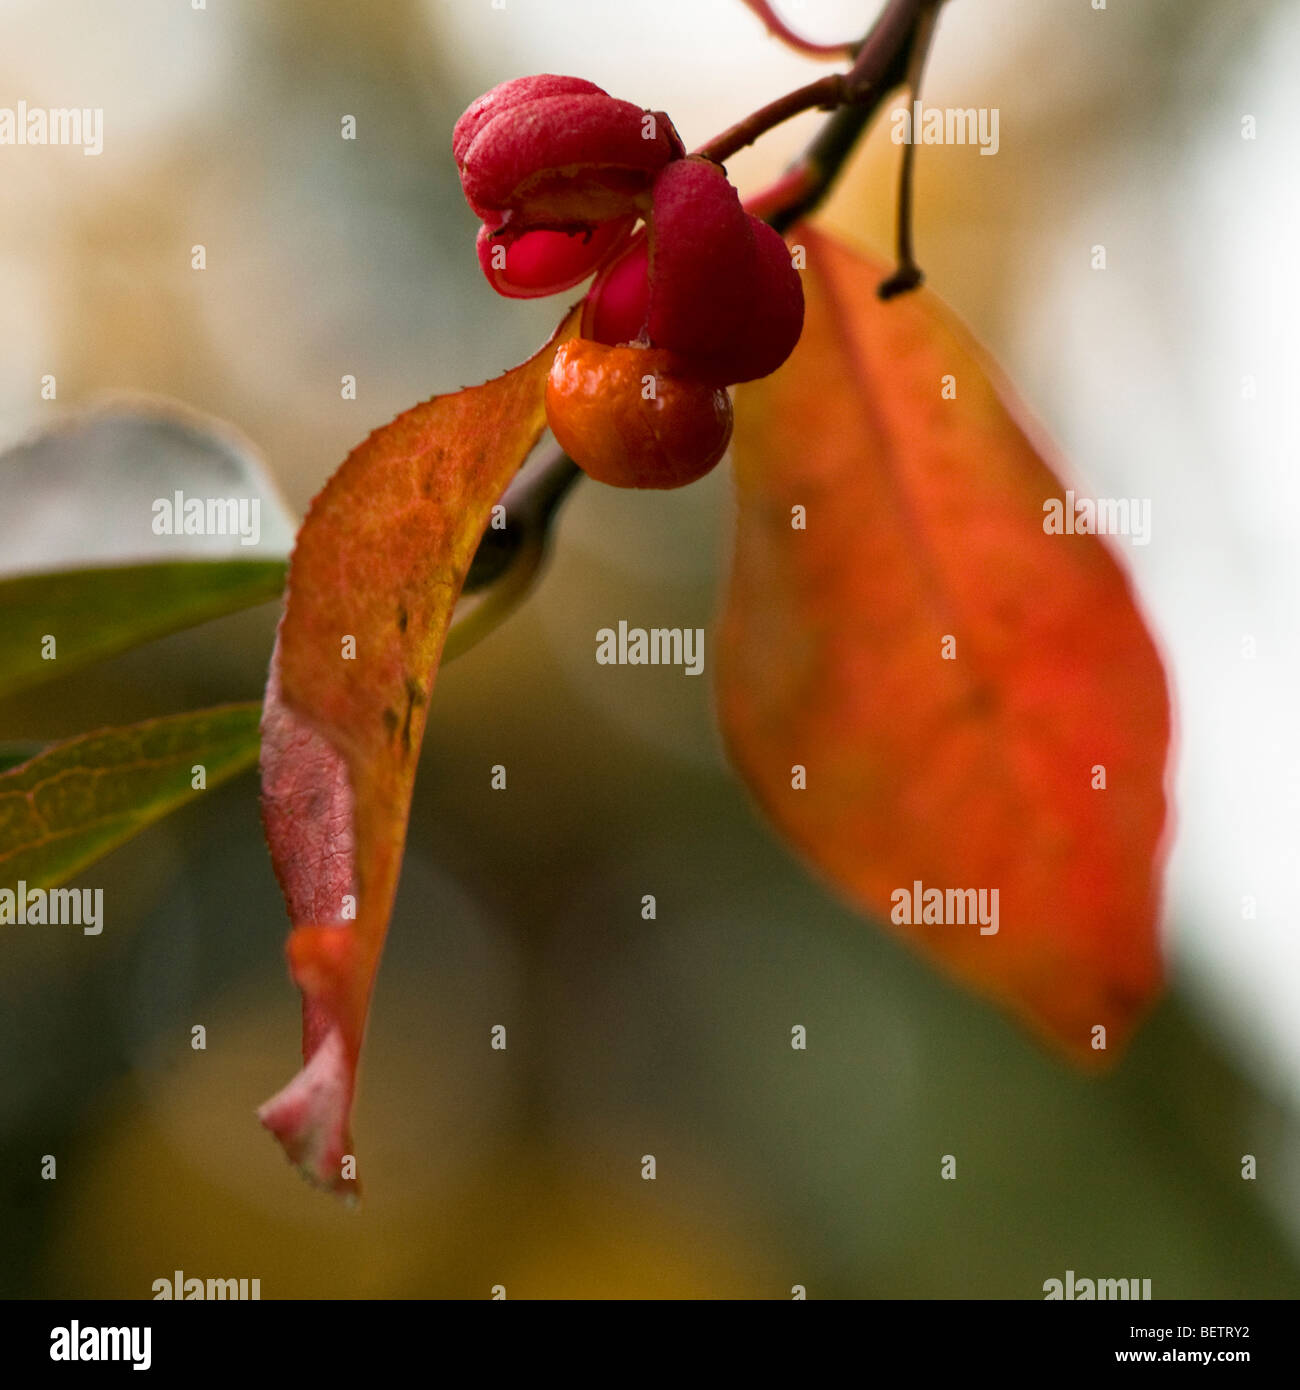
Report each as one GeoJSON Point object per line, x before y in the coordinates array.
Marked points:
{"type": "Point", "coordinates": [925, 541]}
{"type": "Point", "coordinates": [377, 569]}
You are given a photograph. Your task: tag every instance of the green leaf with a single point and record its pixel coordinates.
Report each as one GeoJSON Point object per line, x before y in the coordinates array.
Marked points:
{"type": "Point", "coordinates": [73, 803]}
{"type": "Point", "coordinates": [95, 613]}
{"type": "Point", "coordinates": [18, 751]}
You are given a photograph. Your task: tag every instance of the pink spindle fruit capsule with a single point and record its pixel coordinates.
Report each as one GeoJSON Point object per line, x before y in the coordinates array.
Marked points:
{"type": "Point", "coordinates": [707, 281]}
{"type": "Point", "coordinates": [559, 171]}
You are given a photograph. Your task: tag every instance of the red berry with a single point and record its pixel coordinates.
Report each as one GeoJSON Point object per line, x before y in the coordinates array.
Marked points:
{"type": "Point", "coordinates": [559, 171]}
{"type": "Point", "coordinates": [635, 417]}
{"type": "Point", "coordinates": [711, 283]}
{"type": "Point", "coordinates": [508, 94]}
{"type": "Point", "coordinates": [618, 306]}
{"type": "Point", "coordinates": [576, 157]}
{"type": "Point", "coordinates": [533, 263]}
{"type": "Point", "coordinates": [775, 316]}
{"type": "Point", "coordinates": [703, 265]}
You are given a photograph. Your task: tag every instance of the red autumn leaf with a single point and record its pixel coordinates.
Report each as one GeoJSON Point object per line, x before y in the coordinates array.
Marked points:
{"type": "Point", "coordinates": [925, 521]}
{"type": "Point", "coordinates": [378, 567]}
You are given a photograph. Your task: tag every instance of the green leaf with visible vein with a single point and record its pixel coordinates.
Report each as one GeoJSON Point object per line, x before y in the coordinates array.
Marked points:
{"type": "Point", "coordinates": [74, 802]}
{"type": "Point", "coordinates": [96, 613]}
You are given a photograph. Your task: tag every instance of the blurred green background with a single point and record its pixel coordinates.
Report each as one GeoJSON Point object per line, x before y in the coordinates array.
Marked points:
{"type": "Point", "coordinates": [774, 1167]}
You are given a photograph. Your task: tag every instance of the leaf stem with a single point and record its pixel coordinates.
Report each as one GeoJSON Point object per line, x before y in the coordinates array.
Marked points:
{"type": "Point", "coordinates": [909, 275]}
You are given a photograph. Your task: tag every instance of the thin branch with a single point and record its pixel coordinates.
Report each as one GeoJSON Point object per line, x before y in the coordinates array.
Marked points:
{"type": "Point", "coordinates": [891, 36]}
{"type": "Point", "coordinates": [508, 561]}
{"type": "Point", "coordinates": [909, 275]}
{"type": "Point", "coordinates": [777, 26]}
{"type": "Point", "coordinates": [875, 59]}
{"type": "Point", "coordinates": [882, 64]}
{"type": "Point", "coordinates": [826, 93]}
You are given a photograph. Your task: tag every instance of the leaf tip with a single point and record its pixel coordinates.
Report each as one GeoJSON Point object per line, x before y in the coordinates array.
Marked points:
{"type": "Point", "coordinates": [309, 1117]}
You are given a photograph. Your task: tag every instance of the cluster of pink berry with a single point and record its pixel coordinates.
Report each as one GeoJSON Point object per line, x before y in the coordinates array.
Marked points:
{"type": "Point", "coordinates": [692, 293]}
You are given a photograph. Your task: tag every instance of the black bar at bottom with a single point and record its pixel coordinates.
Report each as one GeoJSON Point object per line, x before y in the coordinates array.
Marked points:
{"type": "Point", "coordinates": [50, 1341]}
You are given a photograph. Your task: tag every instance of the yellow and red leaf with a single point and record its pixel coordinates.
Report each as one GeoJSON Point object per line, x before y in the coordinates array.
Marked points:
{"type": "Point", "coordinates": [377, 569]}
